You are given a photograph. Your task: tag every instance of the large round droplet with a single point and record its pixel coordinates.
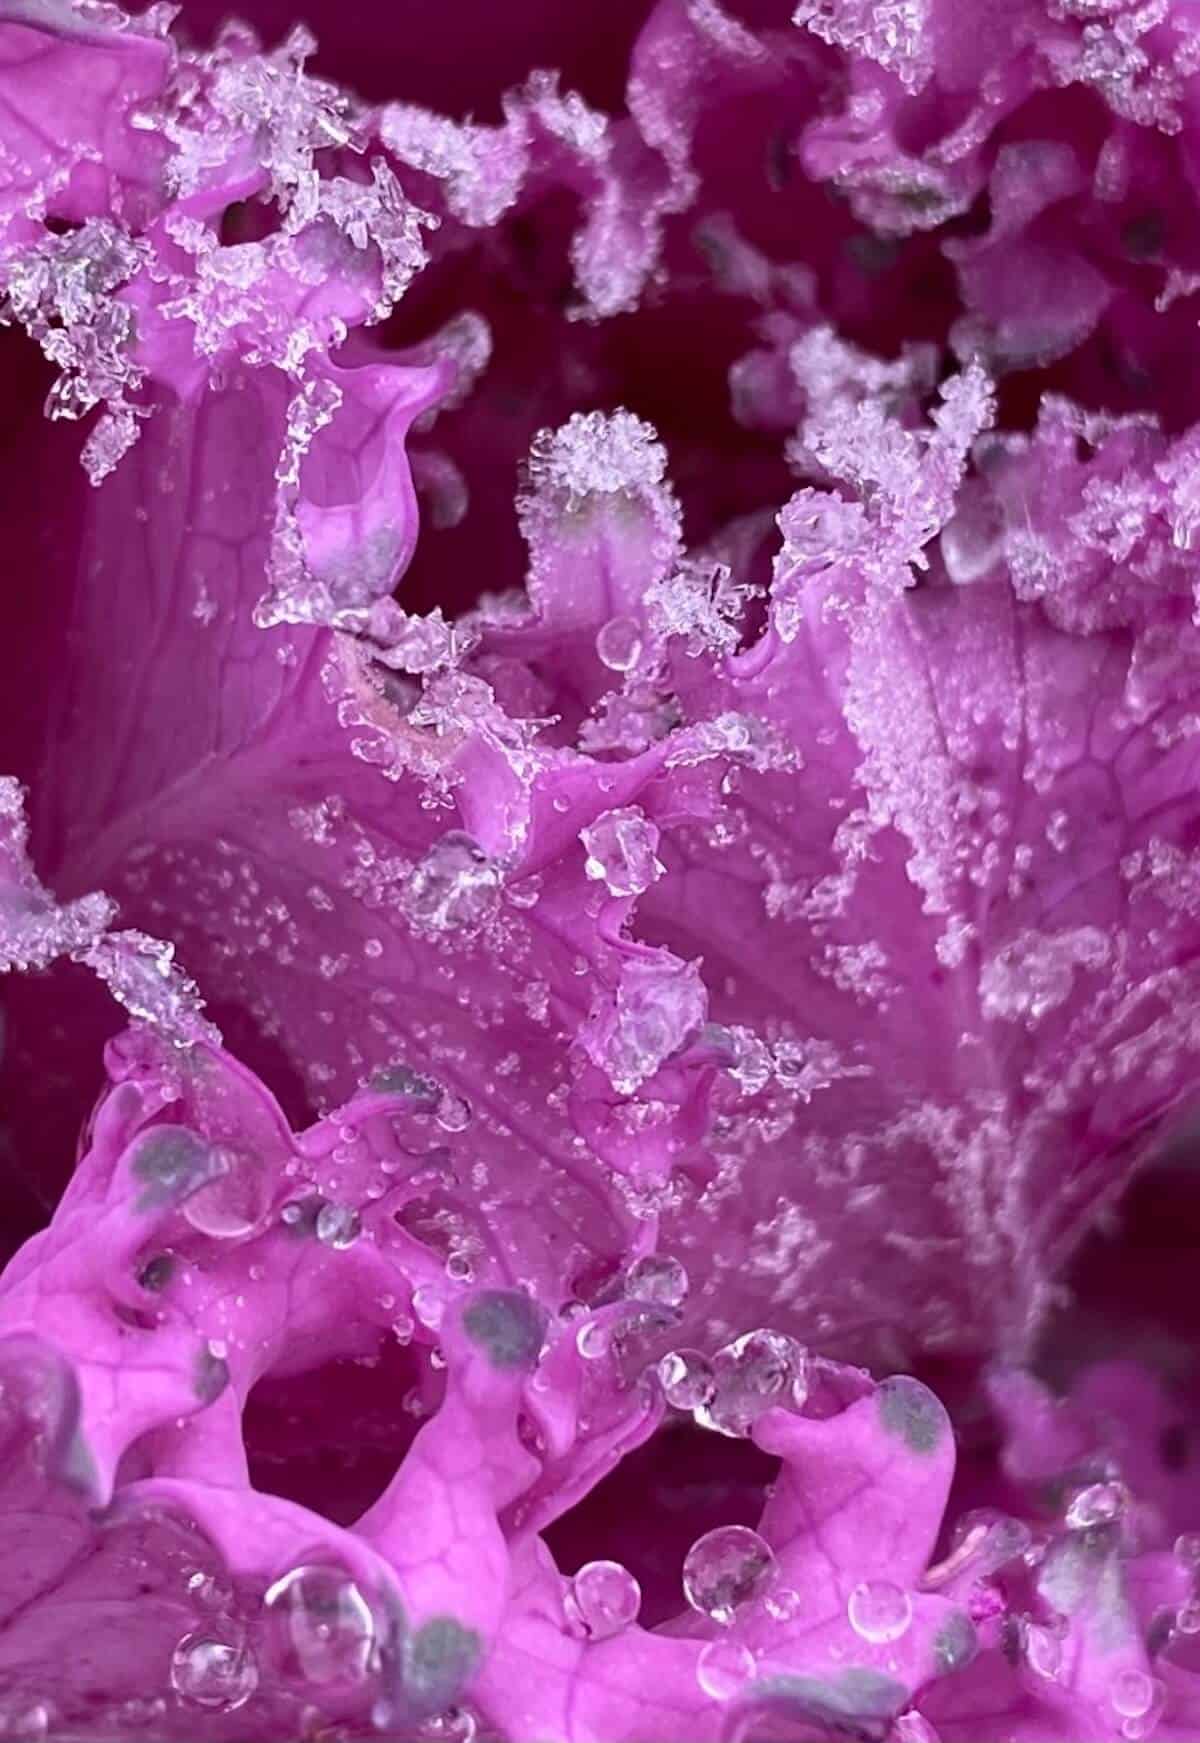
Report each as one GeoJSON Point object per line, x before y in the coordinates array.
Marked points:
{"type": "Point", "coordinates": [320, 1626]}
{"type": "Point", "coordinates": [757, 1372]}
{"type": "Point", "coordinates": [602, 1599]}
{"type": "Point", "coordinates": [725, 1569]}
{"type": "Point", "coordinates": [879, 1611]}
{"type": "Point", "coordinates": [207, 1671]}
{"type": "Point", "coordinates": [686, 1378]}
{"type": "Point", "coordinates": [232, 1205]}
{"type": "Point", "coordinates": [657, 1278]}
{"type": "Point", "coordinates": [338, 1225]}
{"type": "Point", "coordinates": [724, 1668]}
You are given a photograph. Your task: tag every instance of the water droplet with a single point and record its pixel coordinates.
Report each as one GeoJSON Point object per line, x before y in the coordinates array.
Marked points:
{"type": "Point", "coordinates": [756, 1372]}
{"type": "Point", "coordinates": [1187, 1617]}
{"type": "Point", "coordinates": [1043, 1650]}
{"type": "Point", "coordinates": [725, 1569]}
{"type": "Point", "coordinates": [1098, 1504]}
{"type": "Point", "coordinates": [686, 1378]}
{"type": "Point", "coordinates": [459, 1268]}
{"type": "Point", "coordinates": [455, 1725]}
{"type": "Point", "coordinates": [593, 1339]}
{"type": "Point", "coordinates": [209, 1672]}
{"type": "Point", "coordinates": [321, 1626]}
{"type": "Point", "coordinates": [452, 1114]}
{"type": "Point", "coordinates": [428, 1306]}
{"type": "Point", "coordinates": [622, 849]}
{"type": "Point", "coordinates": [724, 1668]}
{"type": "Point", "coordinates": [456, 884]}
{"type": "Point", "coordinates": [1132, 1693]}
{"type": "Point", "coordinates": [1187, 1549]}
{"type": "Point", "coordinates": [657, 1278]}
{"type": "Point", "coordinates": [232, 1205]}
{"type": "Point", "coordinates": [26, 1724]}
{"type": "Point", "coordinates": [338, 1225]}
{"type": "Point", "coordinates": [879, 1611]}
{"type": "Point", "coordinates": [619, 644]}
{"type": "Point", "coordinates": [783, 1604]}
{"type": "Point", "coordinates": [603, 1598]}
{"type": "Point", "coordinates": [914, 1727]}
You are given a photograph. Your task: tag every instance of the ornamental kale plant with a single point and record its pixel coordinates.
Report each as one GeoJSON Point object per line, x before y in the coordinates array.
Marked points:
{"type": "Point", "coordinates": [600, 864]}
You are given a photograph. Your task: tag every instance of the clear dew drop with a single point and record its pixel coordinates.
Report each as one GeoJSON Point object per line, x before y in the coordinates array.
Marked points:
{"type": "Point", "coordinates": [455, 885]}
{"type": "Point", "coordinates": [1043, 1650]}
{"type": "Point", "coordinates": [757, 1372]}
{"type": "Point", "coordinates": [428, 1306]}
{"type": "Point", "coordinates": [1098, 1504]}
{"type": "Point", "coordinates": [207, 1671]}
{"type": "Point", "coordinates": [686, 1378]}
{"type": "Point", "coordinates": [338, 1225]}
{"type": "Point", "coordinates": [455, 1725]}
{"type": "Point", "coordinates": [1132, 1693]}
{"type": "Point", "coordinates": [784, 1604]}
{"type": "Point", "coordinates": [879, 1612]}
{"type": "Point", "coordinates": [603, 1599]}
{"type": "Point", "coordinates": [619, 644]}
{"type": "Point", "coordinates": [622, 851]}
{"type": "Point", "coordinates": [723, 1669]}
{"type": "Point", "coordinates": [232, 1205]}
{"type": "Point", "coordinates": [1187, 1550]}
{"type": "Point", "coordinates": [593, 1340]}
{"type": "Point", "coordinates": [320, 1625]}
{"type": "Point", "coordinates": [26, 1722]}
{"type": "Point", "coordinates": [452, 1113]}
{"type": "Point", "coordinates": [726, 1569]}
{"type": "Point", "coordinates": [657, 1278]}
{"type": "Point", "coordinates": [913, 1727]}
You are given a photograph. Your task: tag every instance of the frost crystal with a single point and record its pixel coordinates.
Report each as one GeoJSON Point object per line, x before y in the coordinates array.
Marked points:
{"type": "Point", "coordinates": [63, 291]}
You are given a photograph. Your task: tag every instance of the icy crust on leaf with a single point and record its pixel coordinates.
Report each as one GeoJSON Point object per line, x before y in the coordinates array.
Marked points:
{"type": "Point", "coordinates": [837, 796]}
{"type": "Point", "coordinates": [192, 1257]}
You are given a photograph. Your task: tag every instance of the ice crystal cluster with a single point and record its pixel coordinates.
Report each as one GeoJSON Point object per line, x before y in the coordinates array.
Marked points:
{"type": "Point", "coordinates": [600, 872]}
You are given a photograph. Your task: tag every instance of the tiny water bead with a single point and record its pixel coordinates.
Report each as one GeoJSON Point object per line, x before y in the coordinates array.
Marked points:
{"type": "Point", "coordinates": [320, 1626]}
{"type": "Point", "coordinates": [726, 1569]}
{"type": "Point", "coordinates": [338, 1225]}
{"type": "Point", "coordinates": [602, 1599]}
{"type": "Point", "coordinates": [619, 644]}
{"type": "Point", "coordinates": [657, 1278]}
{"type": "Point", "coordinates": [686, 1378]}
{"type": "Point", "coordinates": [207, 1671]}
{"type": "Point", "coordinates": [879, 1612]}
{"type": "Point", "coordinates": [1098, 1504]}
